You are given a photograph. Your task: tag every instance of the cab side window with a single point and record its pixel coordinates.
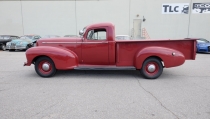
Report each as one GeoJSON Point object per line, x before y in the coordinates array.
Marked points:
{"type": "Point", "coordinates": [97, 34]}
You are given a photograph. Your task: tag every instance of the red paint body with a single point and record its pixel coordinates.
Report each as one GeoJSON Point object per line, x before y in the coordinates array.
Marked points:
{"type": "Point", "coordinates": [69, 53]}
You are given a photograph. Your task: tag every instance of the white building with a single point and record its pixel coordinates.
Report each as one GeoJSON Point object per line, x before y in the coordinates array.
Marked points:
{"type": "Point", "coordinates": [163, 18]}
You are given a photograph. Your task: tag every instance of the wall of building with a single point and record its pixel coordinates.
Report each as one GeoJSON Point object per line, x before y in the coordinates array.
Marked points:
{"type": "Point", "coordinates": [68, 17]}
{"type": "Point", "coordinates": [10, 18]}
{"type": "Point", "coordinates": [200, 23]}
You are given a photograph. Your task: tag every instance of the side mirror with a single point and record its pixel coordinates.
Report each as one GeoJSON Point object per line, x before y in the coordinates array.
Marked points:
{"type": "Point", "coordinates": [81, 32]}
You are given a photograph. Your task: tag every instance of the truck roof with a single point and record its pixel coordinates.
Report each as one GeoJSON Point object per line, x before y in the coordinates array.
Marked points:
{"type": "Point", "coordinates": [109, 24]}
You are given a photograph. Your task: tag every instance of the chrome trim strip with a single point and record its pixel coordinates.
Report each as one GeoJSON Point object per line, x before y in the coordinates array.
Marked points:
{"type": "Point", "coordinates": [72, 42]}
{"type": "Point", "coordinates": [59, 42]}
{"type": "Point", "coordinates": [93, 42]}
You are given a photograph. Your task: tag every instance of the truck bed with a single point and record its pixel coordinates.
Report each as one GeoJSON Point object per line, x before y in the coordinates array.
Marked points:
{"type": "Point", "coordinates": [127, 49]}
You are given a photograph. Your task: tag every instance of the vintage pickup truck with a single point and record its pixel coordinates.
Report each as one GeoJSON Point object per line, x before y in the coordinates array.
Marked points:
{"type": "Point", "coordinates": [98, 49]}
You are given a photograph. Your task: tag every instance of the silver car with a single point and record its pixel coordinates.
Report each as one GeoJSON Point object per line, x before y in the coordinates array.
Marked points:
{"type": "Point", "coordinates": [22, 43]}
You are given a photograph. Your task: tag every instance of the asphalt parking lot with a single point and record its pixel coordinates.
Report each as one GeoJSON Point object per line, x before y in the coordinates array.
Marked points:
{"type": "Point", "coordinates": [179, 93]}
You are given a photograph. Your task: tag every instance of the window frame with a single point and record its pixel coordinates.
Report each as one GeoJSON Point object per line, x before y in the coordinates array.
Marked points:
{"type": "Point", "coordinates": [97, 30]}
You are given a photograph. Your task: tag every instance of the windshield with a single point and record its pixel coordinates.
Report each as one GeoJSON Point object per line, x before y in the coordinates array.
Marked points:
{"type": "Point", "coordinates": [29, 37]}
{"type": "Point", "coordinates": [202, 41]}
{"type": "Point", "coordinates": [25, 38]}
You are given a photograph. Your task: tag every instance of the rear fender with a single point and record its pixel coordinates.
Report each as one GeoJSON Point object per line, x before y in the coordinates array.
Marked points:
{"type": "Point", "coordinates": [62, 57]}
{"type": "Point", "coordinates": [170, 57]}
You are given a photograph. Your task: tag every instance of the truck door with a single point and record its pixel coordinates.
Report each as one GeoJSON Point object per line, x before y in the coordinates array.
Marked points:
{"type": "Point", "coordinates": [95, 47]}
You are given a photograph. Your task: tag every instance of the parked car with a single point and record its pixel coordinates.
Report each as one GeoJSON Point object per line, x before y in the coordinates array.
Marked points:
{"type": "Point", "coordinates": [6, 38]}
{"type": "Point", "coordinates": [122, 37]}
{"type": "Point", "coordinates": [203, 45]}
{"type": "Point", "coordinates": [50, 36]}
{"type": "Point", "coordinates": [22, 43]}
{"type": "Point", "coordinates": [34, 38]}
{"type": "Point", "coordinates": [98, 49]}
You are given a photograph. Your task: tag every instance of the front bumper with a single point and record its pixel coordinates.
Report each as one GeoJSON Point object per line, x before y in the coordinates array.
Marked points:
{"type": "Point", "coordinates": [26, 64]}
{"type": "Point", "coordinates": [15, 47]}
{"type": "Point", "coordinates": [204, 49]}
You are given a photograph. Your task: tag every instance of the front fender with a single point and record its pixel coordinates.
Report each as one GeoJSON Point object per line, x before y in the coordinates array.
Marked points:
{"type": "Point", "coordinates": [62, 57]}
{"type": "Point", "coordinates": [163, 53]}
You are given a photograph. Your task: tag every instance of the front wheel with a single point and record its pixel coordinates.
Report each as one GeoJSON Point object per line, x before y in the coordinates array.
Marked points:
{"type": "Point", "coordinates": [45, 67]}
{"type": "Point", "coordinates": [3, 47]}
{"type": "Point", "coordinates": [152, 68]}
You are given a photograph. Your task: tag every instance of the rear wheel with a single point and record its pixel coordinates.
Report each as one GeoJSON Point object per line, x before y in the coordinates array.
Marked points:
{"type": "Point", "coordinates": [45, 67]}
{"type": "Point", "coordinates": [152, 68]}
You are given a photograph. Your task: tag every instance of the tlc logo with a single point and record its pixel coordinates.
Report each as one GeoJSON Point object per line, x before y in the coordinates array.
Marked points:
{"type": "Point", "coordinates": [168, 8]}
{"type": "Point", "coordinates": [175, 8]}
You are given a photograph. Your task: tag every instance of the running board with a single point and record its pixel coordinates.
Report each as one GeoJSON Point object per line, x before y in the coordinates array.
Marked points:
{"type": "Point", "coordinates": [104, 68]}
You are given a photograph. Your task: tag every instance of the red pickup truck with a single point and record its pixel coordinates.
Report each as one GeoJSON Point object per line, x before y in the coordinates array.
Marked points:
{"type": "Point", "coordinates": [98, 49]}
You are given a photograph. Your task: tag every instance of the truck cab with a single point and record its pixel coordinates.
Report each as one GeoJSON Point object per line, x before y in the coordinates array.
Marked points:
{"type": "Point", "coordinates": [98, 39]}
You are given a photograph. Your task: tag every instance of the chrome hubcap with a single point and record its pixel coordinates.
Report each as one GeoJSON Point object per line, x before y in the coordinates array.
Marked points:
{"type": "Point", "coordinates": [151, 68]}
{"type": "Point", "coordinates": [45, 66]}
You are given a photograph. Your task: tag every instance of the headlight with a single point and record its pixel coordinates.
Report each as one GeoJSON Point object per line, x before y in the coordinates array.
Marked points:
{"type": "Point", "coordinates": [8, 43]}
